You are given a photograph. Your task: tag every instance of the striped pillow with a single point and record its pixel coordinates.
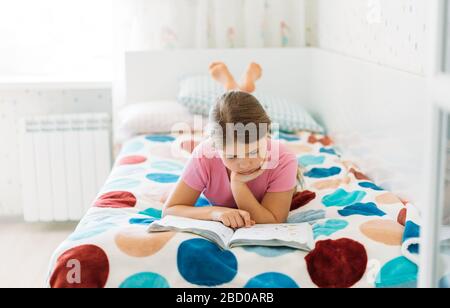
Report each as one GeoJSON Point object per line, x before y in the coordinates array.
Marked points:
{"type": "Point", "coordinates": [199, 92]}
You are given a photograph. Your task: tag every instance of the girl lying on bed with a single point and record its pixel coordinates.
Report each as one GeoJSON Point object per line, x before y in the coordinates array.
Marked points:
{"type": "Point", "coordinates": [247, 176]}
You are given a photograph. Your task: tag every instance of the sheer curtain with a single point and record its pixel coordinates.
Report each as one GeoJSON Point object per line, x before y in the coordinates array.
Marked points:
{"type": "Point", "coordinates": [150, 24]}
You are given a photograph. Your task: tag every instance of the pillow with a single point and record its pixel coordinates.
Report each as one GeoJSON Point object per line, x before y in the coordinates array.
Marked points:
{"type": "Point", "coordinates": [154, 117]}
{"type": "Point", "coordinates": [199, 92]}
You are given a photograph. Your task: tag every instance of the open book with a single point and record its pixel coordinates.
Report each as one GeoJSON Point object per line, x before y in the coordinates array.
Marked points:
{"type": "Point", "coordinates": [298, 236]}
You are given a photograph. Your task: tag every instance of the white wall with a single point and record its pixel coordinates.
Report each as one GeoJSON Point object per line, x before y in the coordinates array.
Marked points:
{"type": "Point", "coordinates": [386, 32]}
{"type": "Point", "coordinates": [16, 103]}
{"type": "Point", "coordinates": [377, 116]}
{"type": "Point", "coordinates": [382, 76]}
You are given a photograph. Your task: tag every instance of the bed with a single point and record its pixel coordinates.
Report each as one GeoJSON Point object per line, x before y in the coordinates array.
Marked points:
{"type": "Point", "coordinates": [358, 224]}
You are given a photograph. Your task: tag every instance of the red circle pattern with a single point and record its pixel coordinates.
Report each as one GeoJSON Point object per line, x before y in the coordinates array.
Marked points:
{"type": "Point", "coordinates": [116, 200]}
{"type": "Point", "coordinates": [337, 263]}
{"type": "Point", "coordinates": [84, 266]}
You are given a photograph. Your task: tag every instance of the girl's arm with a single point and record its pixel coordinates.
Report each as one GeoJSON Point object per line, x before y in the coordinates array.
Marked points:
{"type": "Point", "coordinates": [182, 200]}
{"type": "Point", "coordinates": [181, 203]}
{"type": "Point", "coordinates": [274, 208]}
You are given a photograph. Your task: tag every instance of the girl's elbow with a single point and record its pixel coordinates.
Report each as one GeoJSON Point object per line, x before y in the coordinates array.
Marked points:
{"type": "Point", "coordinates": [167, 210]}
{"type": "Point", "coordinates": [280, 220]}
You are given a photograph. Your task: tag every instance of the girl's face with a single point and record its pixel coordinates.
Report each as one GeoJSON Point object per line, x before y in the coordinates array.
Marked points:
{"type": "Point", "coordinates": [245, 158]}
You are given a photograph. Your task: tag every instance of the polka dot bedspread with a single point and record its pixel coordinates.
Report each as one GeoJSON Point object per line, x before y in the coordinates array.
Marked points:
{"type": "Point", "coordinates": [358, 229]}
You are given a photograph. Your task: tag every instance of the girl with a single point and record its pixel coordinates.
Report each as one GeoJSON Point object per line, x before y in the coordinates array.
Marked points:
{"type": "Point", "coordinates": [247, 176]}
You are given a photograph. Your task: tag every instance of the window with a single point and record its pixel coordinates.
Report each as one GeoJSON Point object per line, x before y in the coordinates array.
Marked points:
{"type": "Point", "coordinates": [45, 38]}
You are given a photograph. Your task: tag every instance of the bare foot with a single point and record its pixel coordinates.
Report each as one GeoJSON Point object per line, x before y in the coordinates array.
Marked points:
{"type": "Point", "coordinates": [254, 72]}
{"type": "Point", "coordinates": [220, 73]}
{"type": "Point", "coordinates": [213, 64]}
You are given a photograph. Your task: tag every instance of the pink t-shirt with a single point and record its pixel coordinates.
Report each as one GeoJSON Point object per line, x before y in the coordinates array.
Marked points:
{"type": "Point", "coordinates": [205, 172]}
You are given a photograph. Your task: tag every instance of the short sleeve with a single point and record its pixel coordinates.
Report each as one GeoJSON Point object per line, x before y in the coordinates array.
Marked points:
{"type": "Point", "coordinates": [284, 177]}
{"type": "Point", "coordinates": [195, 173]}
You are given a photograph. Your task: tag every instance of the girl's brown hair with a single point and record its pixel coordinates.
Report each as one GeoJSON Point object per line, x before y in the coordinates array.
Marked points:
{"type": "Point", "coordinates": [237, 107]}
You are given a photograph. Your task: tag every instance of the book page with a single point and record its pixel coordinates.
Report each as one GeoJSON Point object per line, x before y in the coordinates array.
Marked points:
{"type": "Point", "coordinates": [196, 226]}
{"type": "Point", "coordinates": [299, 233]}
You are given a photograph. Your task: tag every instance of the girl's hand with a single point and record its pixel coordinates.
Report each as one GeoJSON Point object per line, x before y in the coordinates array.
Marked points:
{"type": "Point", "coordinates": [233, 218]}
{"type": "Point", "coordinates": [245, 178]}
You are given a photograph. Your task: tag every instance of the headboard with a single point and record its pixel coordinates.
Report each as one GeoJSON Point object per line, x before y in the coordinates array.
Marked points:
{"type": "Point", "coordinates": [377, 115]}
{"type": "Point", "coordinates": [154, 75]}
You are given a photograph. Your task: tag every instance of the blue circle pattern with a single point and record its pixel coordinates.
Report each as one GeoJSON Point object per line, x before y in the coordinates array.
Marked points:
{"type": "Point", "coordinates": [363, 209]}
{"type": "Point", "coordinates": [412, 230]}
{"type": "Point", "coordinates": [142, 221]}
{"type": "Point", "coordinates": [203, 263]}
{"type": "Point", "coordinates": [202, 202]}
{"type": "Point", "coordinates": [399, 273]}
{"type": "Point", "coordinates": [318, 173]}
{"type": "Point", "coordinates": [444, 283]}
{"type": "Point", "coordinates": [307, 216]}
{"type": "Point", "coordinates": [287, 137]}
{"type": "Point", "coordinates": [329, 151]}
{"type": "Point", "coordinates": [90, 232]}
{"type": "Point", "coordinates": [309, 160]}
{"type": "Point", "coordinates": [145, 281]}
{"type": "Point", "coordinates": [164, 178]}
{"type": "Point", "coordinates": [152, 213]}
{"type": "Point", "coordinates": [329, 227]}
{"type": "Point", "coordinates": [370, 186]}
{"type": "Point", "coordinates": [271, 280]}
{"type": "Point", "coordinates": [160, 138]}
{"type": "Point", "coordinates": [343, 198]}
{"type": "Point", "coordinates": [166, 166]}
{"type": "Point", "coordinates": [121, 184]}
{"type": "Point", "coordinates": [132, 148]}
{"type": "Point", "coordinates": [269, 252]}
{"type": "Point", "coordinates": [445, 247]}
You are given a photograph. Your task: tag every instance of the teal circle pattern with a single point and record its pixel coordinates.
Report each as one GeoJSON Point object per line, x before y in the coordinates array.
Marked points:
{"type": "Point", "coordinates": [145, 281]}
{"type": "Point", "coordinates": [132, 148]}
{"type": "Point", "coordinates": [269, 252]}
{"type": "Point", "coordinates": [271, 280]}
{"type": "Point", "coordinates": [90, 232]}
{"type": "Point", "coordinates": [121, 184]}
{"type": "Point", "coordinates": [163, 178]}
{"type": "Point", "coordinates": [343, 198]}
{"type": "Point", "coordinates": [398, 273]}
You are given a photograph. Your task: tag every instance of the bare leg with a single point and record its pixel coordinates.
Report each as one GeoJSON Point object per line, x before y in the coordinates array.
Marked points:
{"type": "Point", "coordinates": [254, 72]}
{"type": "Point", "coordinates": [220, 73]}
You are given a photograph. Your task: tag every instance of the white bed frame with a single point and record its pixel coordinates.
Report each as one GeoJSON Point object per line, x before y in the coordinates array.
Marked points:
{"type": "Point", "coordinates": [378, 116]}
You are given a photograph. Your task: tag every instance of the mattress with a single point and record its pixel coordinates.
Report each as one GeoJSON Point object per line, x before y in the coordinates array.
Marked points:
{"type": "Point", "coordinates": [358, 229]}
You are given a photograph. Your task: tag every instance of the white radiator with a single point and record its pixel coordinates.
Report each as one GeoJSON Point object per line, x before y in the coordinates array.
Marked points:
{"type": "Point", "coordinates": [65, 160]}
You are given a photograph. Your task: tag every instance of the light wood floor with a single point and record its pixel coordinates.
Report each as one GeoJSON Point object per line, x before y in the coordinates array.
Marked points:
{"type": "Point", "coordinates": [25, 251]}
